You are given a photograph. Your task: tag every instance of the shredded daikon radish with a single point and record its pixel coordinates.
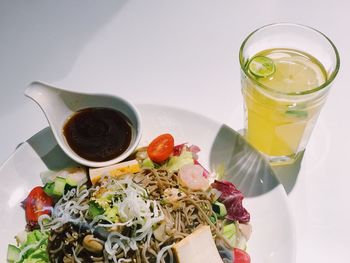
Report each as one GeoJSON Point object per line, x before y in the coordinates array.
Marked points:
{"type": "Point", "coordinates": [135, 210]}
{"type": "Point", "coordinates": [124, 260]}
{"type": "Point", "coordinates": [76, 259]}
{"type": "Point", "coordinates": [69, 208]}
{"type": "Point", "coordinates": [162, 252]}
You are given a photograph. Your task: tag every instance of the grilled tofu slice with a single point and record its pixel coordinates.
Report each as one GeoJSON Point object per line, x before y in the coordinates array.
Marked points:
{"type": "Point", "coordinates": [198, 247]}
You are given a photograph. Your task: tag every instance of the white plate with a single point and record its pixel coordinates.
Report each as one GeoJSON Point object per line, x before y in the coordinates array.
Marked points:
{"type": "Point", "coordinates": [273, 238]}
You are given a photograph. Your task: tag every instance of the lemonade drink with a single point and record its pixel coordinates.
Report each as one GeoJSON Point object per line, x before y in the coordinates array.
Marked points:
{"type": "Point", "coordinates": [286, 73]}
{"type": "Point", "coordinates": [276, 125]}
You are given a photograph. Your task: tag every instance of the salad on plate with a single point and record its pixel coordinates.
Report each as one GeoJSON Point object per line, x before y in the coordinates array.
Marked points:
{"type": "Point", "coordinates": [161, 205]}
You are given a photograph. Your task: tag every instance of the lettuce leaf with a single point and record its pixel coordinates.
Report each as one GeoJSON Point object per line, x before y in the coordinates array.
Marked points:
{"type": "Point", "coordinates": [37, 253]}
{"type": "Point", "coordinates": [176, 162]}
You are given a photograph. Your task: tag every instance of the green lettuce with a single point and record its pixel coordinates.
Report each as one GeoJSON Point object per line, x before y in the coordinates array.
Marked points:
{"type": "Point", "coordinates": [36, 248]}
{"type": "Point", "coordinates": [176, 162]}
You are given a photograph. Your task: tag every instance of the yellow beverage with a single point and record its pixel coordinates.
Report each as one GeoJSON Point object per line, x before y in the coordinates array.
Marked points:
{"type": "Point", "coordinates": [278, 120]}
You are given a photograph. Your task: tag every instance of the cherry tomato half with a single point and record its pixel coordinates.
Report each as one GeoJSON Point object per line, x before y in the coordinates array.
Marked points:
{"type": "Point", "coordinates": [36, 204]}
{"type": "Point", "coordinates": [161, 148]}
{"type": "Point", "coordinates": [241, 256]}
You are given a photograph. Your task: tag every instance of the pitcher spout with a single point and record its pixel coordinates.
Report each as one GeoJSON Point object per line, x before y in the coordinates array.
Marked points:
{"type": "Point", "coordinates": [49, 99]}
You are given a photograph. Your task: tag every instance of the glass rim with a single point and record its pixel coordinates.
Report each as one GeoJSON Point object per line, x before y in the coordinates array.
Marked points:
{"type": "Point", "coordinates": [318, 88]}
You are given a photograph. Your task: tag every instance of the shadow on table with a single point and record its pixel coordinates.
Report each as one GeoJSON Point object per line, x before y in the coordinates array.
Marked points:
{"type": "Point", "coordinates": [241, 163]}
{"type": "Point", "coordinates": [287, 174]}
{"type": "Point", "coordinates": [247, 168]}
{"type": "Point", "coordinates": [45, 145]}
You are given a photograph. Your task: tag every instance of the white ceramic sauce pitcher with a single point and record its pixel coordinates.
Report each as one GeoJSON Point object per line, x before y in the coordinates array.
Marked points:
{"type": "Point", "coordinates": [58, 105]}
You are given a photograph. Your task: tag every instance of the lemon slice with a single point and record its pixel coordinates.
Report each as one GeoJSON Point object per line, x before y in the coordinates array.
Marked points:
{"type": "Point", "coordinates": [261, 67]}
{"type": "Point", "coordinates": [294, 74]}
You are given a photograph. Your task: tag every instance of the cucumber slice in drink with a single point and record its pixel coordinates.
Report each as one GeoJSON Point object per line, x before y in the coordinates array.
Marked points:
{"type": "Point", "coordinates": [297, 113]}
{"type": "Point", "coordinates": [261, 67]}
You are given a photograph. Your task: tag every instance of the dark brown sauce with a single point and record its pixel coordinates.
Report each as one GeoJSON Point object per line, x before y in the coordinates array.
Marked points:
{"type": "Point", "coordinates": [98, 134]}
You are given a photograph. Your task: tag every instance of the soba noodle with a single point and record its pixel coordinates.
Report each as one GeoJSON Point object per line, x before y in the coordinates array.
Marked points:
{"type": "Point", "coordinates": [169, 213]}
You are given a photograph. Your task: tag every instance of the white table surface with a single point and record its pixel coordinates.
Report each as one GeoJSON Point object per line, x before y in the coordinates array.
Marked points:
{"type": "Point", "coordinates": [182, 53]}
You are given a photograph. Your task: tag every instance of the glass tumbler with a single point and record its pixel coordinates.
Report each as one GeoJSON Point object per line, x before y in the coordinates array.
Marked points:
{"type": "Point", "coordinates": [286, 73]}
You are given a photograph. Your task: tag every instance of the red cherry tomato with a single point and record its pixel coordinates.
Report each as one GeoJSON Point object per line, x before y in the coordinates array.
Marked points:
{"type": "Point", "coordinates": [36, 204]}
{"type": "Point", "coordinates": [241, 256]}
{"type": "Point", "coordinates": [161, 148]}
